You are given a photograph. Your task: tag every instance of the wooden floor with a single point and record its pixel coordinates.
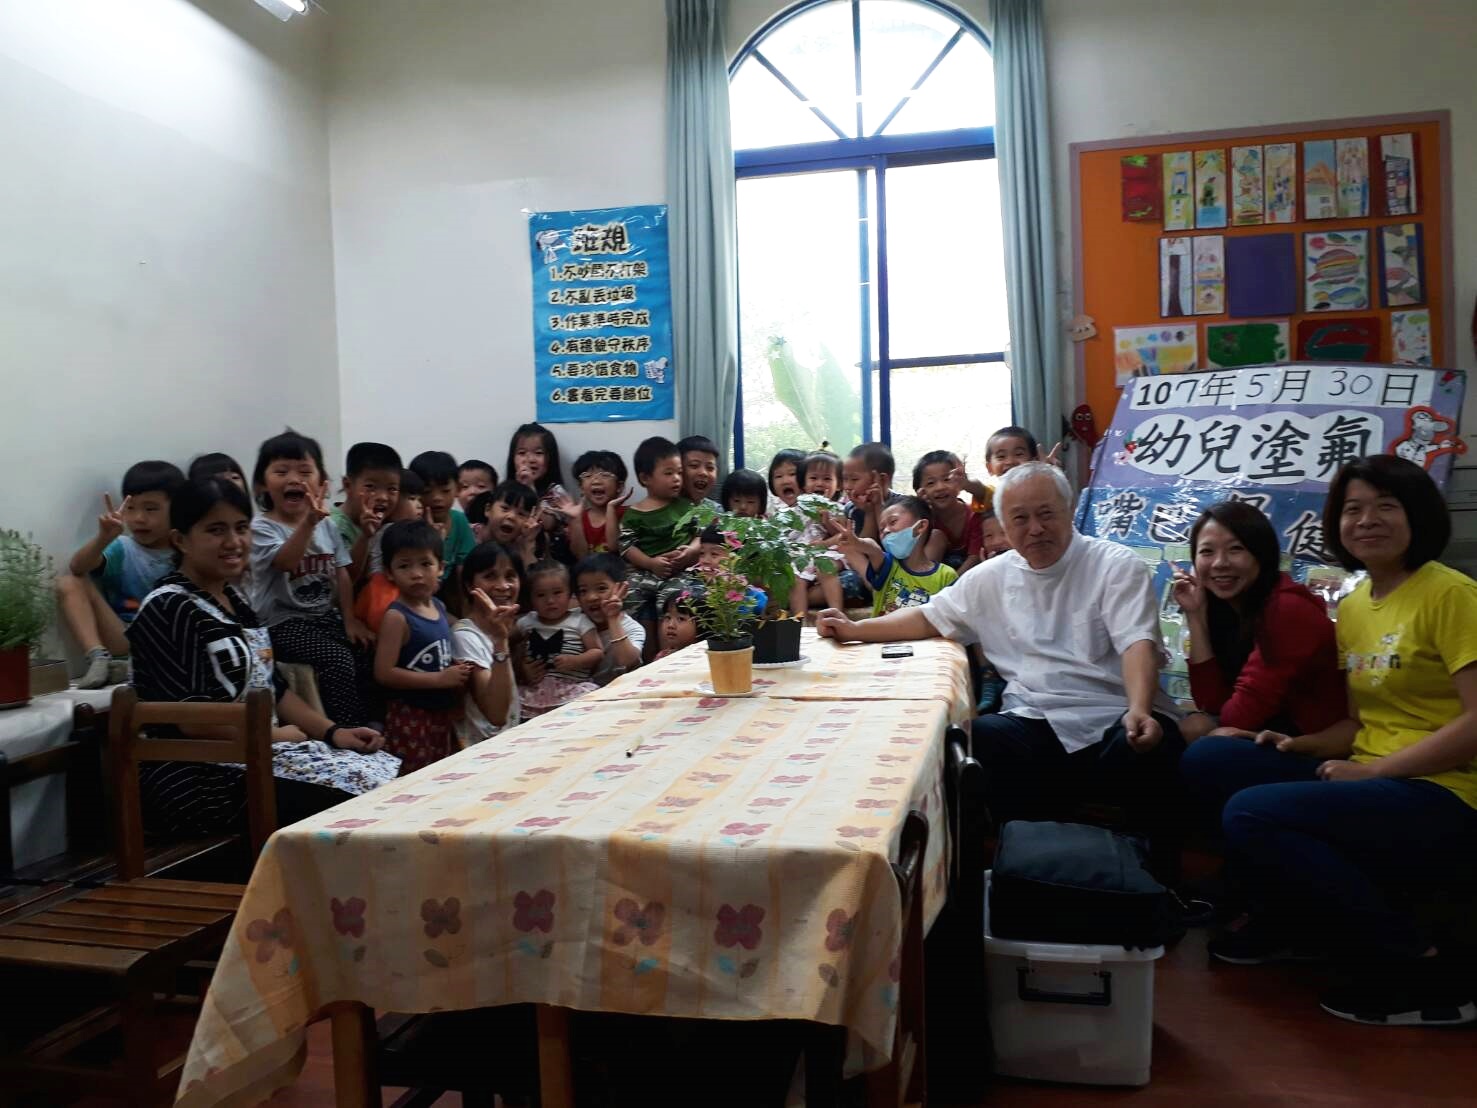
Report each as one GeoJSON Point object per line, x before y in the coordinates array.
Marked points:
{"type": "Point", "coordinates": [1223, 1036]}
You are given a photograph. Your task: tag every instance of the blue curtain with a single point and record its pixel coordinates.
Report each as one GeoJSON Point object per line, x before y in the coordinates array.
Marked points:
{"type": "Point", "coordinates": [1023, 147]}
{"type": "Point", "coordinates": [701, 226]}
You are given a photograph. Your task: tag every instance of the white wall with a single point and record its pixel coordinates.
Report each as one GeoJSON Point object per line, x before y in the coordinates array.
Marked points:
{"type": "Point", "coordinates": [166, 280]}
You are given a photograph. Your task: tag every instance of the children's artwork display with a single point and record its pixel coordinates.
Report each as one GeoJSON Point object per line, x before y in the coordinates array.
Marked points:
{"type": "Point", "coordinates": [602, 314]}
{"type": "Point", "coordinates": [1271, 436]}
{"type": "Point", "coordinates": [1210, 188]}
{"type": "Point", "coordinates": [1335, 271]}
{"type": "Point", "coordinates": [1402, 267]}
{"type": "Point", "coordinates": [1352, 155]}
{"type": "Point", "coordinates": [1280, 160]}
{"type": "Point", "coordinates": [1349, 339]}
{"type": "Point", "coordinates": [1261, 275]}
{"type": "Point", "coordinates": [1143, 188]}
{"type": "Point", "coordinates": [1179, 204]}
{"type": "Point", "coordinates": [1176, 289]}
{"type": "Point", "coordinates": [1228, 345]}
{"type": "Point", "coordinates": [1410, 337]}
{"type": "Point", "coordinates": [1320, 180]}
{"type": "Point", "coordinates": [1209, 254]}
{"type": "Point", "coordinates": [1153, 351]}
{"type": "Point", "coordinates": [1247, 208]}
{"type": "Point", "coordinates": [1398, 172]}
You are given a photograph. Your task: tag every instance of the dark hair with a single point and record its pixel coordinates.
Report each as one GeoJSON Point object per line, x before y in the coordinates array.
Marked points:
{"type": "Point", "coordinates": [483, 557]}
{"type": "Point", "coordinates": [552, 468]}
{"type": "Point", "coordinates": [1013, 432]}
{"type": "Point", "coordinates": [697, 444]}
{"type": "Point", "coordinates": [712, 533]}
{"type": "Point", "coordinates": [915, 506]}
{"type": "Point", "coordinates": [819, 458]}
{"type": "Point", "coordinates": [933, 458]}
{"type": "Point", "coordinates": [288, 446]}
{"type": "Point", "coordinates": [787, 456]}
{"type": "Point", "coordinates": [409, 534]}
{"type": "Point", "coordinates": [1234, 631]}
{"type": "Point", "coordinates": [875, 455]}
{"type": "Point", "coordinates": [612, 565]}
{"type": "Point", "coordinates": [1425, 507]}
{"type": "Point", "coordinates": [143, 477]}
{"type": "Point", "coordinates": [192, 501]}
{"type": "Point", "coordinates": [607, 460]}
{"type": "Point", "coordinates": [652, 452]}
{"type": "Point", "coordinates": [514, 493]}
{"type": "Point", "coordinates": [435, 467]}
{"type": "Point", "coordinates": [477, 463]}
{"type": "Point", "coordinates": [370, 455]}
{"type": "Point", "coordinates": [477, 507]}
{"type": "Point", "coordinates": [685, 601]}
{"type": "Point", "coordinates": [547, 567]}
{"type": "Point", "coordinates": [214, 465]}
{"type": "Point", "coordinates": [744, 482]}
{"type": "Point", "coordinates": [411, 483]}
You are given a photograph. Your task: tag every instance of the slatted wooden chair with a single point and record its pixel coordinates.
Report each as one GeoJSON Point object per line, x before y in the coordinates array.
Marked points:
{"type": "Point", "coordinates": [126, 940]}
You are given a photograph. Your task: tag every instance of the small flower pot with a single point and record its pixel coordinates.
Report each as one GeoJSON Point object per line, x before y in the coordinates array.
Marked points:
{"type": "Point", "coordinates": [15, 677]}
{"type": "Point", "coordinates": [777, 640]}
{"type": "Point", "coordinates": [731, 666]}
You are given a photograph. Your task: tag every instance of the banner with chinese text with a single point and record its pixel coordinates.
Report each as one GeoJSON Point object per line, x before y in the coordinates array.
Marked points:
{"type": "Point", "coordinates": [1271, 435]}
{"type": "Point", "coordinates": [602, 314]}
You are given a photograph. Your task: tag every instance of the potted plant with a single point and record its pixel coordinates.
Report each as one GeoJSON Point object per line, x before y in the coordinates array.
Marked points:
{"type": "Point", "coordinates": [26, 606]}
{"type": "Point", "coordinates": [726, 608]}
{"type": "Point", "coordinates": [769, 551]}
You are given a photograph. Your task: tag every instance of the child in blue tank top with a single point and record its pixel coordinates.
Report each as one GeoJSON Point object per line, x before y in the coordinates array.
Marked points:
{"type": "Point", "coordinates": [412, 659]}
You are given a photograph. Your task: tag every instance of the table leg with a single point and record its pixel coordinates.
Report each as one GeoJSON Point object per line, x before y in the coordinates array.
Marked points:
{"type": "Point", "coordinates": [555, 1066]}
{"type": "Point", "coordinates": [355, 1080]}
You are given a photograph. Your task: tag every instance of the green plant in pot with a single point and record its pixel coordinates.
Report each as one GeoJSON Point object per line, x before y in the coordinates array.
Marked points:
{"type": "Point", "coordinates": [769, 552]}
{"type": "Point", "coordinates": [26, 606]}
{"type": "Point", "coordinates": [727, 608]}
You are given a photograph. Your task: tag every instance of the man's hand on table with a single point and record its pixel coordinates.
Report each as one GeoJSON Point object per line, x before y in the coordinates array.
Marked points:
{"type": "Point", "coordinates": [832, 623]}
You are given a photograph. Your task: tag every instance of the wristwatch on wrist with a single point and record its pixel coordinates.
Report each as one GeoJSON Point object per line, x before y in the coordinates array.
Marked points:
{"type": "Point", "coordinates": [328, 735]}
{"type": "Point", "coordinates": [499, 657]}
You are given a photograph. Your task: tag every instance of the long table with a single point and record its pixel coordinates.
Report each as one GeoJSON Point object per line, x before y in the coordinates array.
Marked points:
{"type": "Point", "coordinates": [638, 852]}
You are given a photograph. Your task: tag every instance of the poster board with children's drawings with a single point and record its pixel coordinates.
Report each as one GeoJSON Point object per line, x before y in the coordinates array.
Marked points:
{"type": "Point", "coordinates": [1270, 435]}
{"type": "Point", "coordinates": [602, 314]}
{"type": "Point", "coordinates": [1130, 275]}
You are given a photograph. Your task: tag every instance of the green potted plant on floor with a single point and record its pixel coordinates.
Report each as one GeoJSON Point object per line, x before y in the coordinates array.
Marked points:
{"type": "Point", "coordinates": [26, 606]}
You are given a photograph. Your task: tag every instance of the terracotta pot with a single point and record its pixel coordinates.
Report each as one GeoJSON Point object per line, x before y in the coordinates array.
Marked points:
{"type": "Point", "coordinates": [15, 677]}
{"type": "Point", "coordinates": [731, 667]}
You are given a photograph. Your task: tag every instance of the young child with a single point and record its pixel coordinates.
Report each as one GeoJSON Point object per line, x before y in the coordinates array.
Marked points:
{"type": "Point", "coordinates": [655, 534]}
{"type": "Point", "coordinates": [533, 460]}
{"type": "Point", "coordinates": [1004, 450]}
{"type": "Point", "coordinates": [601, 586]}
{"type": "Point", "coordinates": [511, 513]}
{"type": "Point", "coordinates": [378, 592]}
{"type": "Point", "coordinates": [867, 474]}
{"type": "Point", "coordinates": [300, 586]}
{"type": "Point", "coordinates": [561, 647]}
{"type": "Point", "coordinates": [784, 477]}
{"type": "Point", "coordinates": [472, 477]}
{"type": "Point", "coordinates": [744, 494]}
{"type": "Point", "coordinates": [413, 658]}
{"type": "Point", "coordinates": [992, 536]}
{"type": "Point", "coordinates": [699, 466]}
{"type": "Point", "coordinates": [678, 627]}
{"type": "Point", "coordinates": [438, 470]}
{"type": "Point", "coordinates": [956, 537]}
{"type": "Point", "coordinates": [492, 579]}
{"type": "Point", "coordinates": [820, 475]}
{"type": "Point", "coordinates": [899, 570]}
{"type": "Point", "coordinates": [595, 522]}
{"type": "Point", "coordinates": [371, 491]}
{"type": "Point", "coordinates": [219, 465]}
{"type": "Point", "coordinates": [110, 575]}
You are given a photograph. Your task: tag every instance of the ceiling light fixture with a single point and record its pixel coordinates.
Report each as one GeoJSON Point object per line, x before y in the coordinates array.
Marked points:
{"type": "Point", "coordinates": [284, 9]}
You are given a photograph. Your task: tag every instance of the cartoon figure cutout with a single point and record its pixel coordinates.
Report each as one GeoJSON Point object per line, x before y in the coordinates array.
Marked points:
{"type": "Point", "coordinates": [1427, 437]}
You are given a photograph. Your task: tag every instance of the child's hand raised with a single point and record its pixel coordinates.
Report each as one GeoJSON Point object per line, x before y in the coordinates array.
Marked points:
{"type": "Point", "coordinates": [370, 521]}
{"type": "Point", "coordinates": [623, 499]}
{"type": "Point", "coordinates": [614, 604]}
{"type": "Point", "coordinates": [110, 524]}
{"type": "Point", "coordinates": [442, 529]}
{"type": "Point", "coordinates": [841, 535]}
{"type": "Point", "coordinates": [317, 508]}
{"type": "Point", "coordinates": [1050, 458]}
{"type": "Point", "coordinates": [561, 503]}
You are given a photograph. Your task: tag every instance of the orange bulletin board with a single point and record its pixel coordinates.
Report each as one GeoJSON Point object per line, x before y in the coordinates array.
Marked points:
{"type": "Point", "coordinates": [1117, 261]}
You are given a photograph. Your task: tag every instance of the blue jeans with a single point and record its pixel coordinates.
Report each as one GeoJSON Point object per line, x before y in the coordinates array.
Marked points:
{"type": "Point", "coordinates": [1331, 860]}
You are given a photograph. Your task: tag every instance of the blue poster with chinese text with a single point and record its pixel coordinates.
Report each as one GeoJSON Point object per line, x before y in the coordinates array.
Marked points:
{"type": "Point", "coordinates": [602, 314]}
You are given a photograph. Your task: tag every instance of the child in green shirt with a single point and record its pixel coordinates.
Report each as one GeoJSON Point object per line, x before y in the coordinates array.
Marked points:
{"type": "Point", "coordinates": [656, 534]}
{"type": "Point", "coordinates": [898, 569]}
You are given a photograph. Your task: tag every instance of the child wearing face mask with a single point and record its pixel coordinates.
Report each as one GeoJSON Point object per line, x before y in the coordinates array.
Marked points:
{"type": "Point", "coordinates": [898, 568]}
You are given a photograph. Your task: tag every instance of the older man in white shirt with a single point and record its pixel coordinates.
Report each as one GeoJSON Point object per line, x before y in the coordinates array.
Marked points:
{"type": "Point", "coordinates": [1072, 624]}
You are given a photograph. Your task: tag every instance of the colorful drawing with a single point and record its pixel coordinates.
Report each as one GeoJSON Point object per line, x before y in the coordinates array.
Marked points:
{"type": "Point", "coordinates": [1410, 337]}
{"type": "Point", "coordinates": [1151, 351]}
{"type": "Point", "coordinates": [1352, 155]}
{"type": "Point", "coordinates": [1175, 284]}
{"type": "Point", "coordinates": [1228, 345]}
{"type": "Point", "coordinates": [1280, 160]}
{"type": "Point", "coordinates": [1210, 188]}
{"type": "Point", "coordinates": [1209, 253]}
{"type": "Point", "coordinates": [1320, 180]}
{"type": "Point", "coordinates": [1339, 340]}
{"type": "Point", "coordinates": [1261, 275]}
{"type": "Point", "coordinates": [1179, 205]}
{"type": "Point", "coordinates": [1397, 154]}
{"type": "Point", "coordinates": [1402, 265]}
{"type": "Point", "coordinates": [1143, 188]}
{"type": "Point", "coordinates": [1428, 435]}
{"type": "Point", "coordinates": [1335, 271]}
{"type": "Point", "coordinates": [1246, 185]}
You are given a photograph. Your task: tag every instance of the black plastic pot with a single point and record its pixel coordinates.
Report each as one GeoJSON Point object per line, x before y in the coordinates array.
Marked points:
{"type": "Point", "coordinates": [777, 640]}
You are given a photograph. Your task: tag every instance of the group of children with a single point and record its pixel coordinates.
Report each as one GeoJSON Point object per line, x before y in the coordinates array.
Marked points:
{"type": "Point", "coordinates": [449, 605]}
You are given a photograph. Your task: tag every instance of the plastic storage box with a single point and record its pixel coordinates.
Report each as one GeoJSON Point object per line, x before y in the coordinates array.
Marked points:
{"type": "Point", "coordinates": [1063, 1012]}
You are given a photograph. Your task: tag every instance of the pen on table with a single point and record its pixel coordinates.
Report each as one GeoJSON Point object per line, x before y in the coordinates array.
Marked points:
{"type": "Point", "coordinates": [635, 746]}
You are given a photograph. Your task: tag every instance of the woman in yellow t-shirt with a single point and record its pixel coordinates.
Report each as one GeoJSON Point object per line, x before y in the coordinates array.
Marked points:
{"type": "Point", "coordinates": [1333, 840]}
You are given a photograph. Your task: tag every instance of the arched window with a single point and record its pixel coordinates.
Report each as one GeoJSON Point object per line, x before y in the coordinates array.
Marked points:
{"type": "Point", "coordinates": [871, 277]}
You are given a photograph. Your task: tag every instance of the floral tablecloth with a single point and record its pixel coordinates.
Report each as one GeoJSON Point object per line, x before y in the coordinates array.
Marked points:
{"type": "Point", "coordinates": [938, 670]}
{"type": "Point", "coordinates": [735, 866]}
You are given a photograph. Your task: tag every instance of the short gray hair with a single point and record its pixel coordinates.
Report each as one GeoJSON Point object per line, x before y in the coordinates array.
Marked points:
{"type": "Point", "coordinates": [1024, 472]}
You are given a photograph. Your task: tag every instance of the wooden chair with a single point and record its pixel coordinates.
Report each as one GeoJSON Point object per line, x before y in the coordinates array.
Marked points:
{"type": "Point", "coordinates": [126, 940]}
